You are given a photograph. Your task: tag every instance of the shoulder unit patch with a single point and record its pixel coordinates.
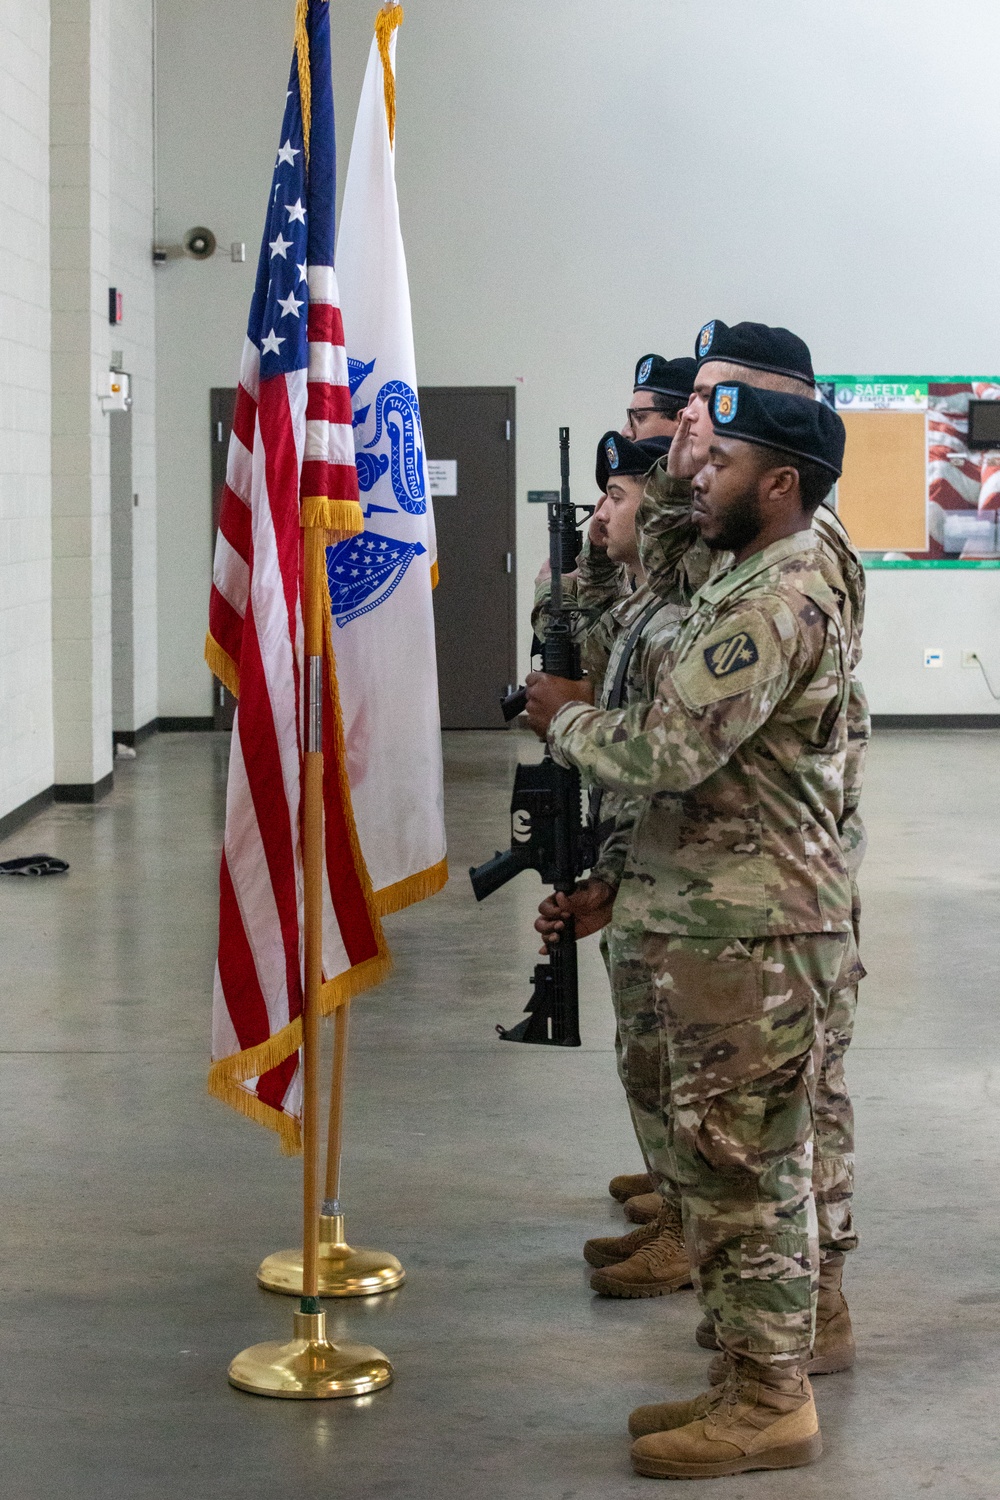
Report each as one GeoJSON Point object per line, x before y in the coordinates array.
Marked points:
{"type": "Point", "coordinates": [732, 659]}
{"type": "Point", "coordinates": [731, 655]}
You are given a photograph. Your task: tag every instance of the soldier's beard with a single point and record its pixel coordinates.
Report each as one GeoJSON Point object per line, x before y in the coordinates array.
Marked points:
{"type": "Point", "coordinates": [740, 524]}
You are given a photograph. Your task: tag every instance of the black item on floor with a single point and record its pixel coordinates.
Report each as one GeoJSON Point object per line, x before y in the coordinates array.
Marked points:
{"type": "Point", "coordinates": [34, 864]}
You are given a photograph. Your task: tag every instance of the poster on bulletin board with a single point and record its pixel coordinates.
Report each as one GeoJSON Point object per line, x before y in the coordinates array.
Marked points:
{"type": "Point", "coordinates": [918, 488]}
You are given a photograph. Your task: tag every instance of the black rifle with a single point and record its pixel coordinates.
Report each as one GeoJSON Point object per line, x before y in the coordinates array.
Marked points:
{"type": "Point", "coordinates": [548, 831]}
{"type": "Point", "coordinates": [565, 543]}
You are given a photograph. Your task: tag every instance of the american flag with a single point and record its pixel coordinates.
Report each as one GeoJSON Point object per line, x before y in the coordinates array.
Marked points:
{"type": "Point", "coordinates": [290, 464]}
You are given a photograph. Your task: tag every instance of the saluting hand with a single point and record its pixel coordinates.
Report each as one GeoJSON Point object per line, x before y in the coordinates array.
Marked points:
{"type": "Point", "coordinates": [546, 696]}
{"type": "Point", "coordinates": [680, 460]}
{"type": "Point", "coordinates": [590, 905]}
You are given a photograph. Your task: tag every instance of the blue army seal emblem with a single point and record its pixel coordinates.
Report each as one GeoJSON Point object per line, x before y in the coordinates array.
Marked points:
{"type": "Point", "coordinates": [644, 371]}
{"type": "Point", "coordinates": [731, 655]}
{"type": "Point", "coordinates": [705, 338]}
{"type": "Point", "coordinates": [611, 449]}
{"type": "Point", "coordinates": [726, 401]}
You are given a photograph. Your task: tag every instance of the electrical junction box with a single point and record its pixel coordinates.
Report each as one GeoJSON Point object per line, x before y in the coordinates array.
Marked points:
{"type": "Point", "coordinates": [115, 393]}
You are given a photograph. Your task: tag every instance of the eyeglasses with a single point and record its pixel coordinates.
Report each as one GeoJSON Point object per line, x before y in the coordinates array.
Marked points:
{"type": "Point", "coordinates": [632, 412]}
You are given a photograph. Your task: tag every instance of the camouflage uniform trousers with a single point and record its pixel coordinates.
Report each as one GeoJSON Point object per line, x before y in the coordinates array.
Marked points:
{"type": "Point", "coordinates": [641, 1052]}
{"type": "Point", "coordinates": [833, 1167]}
{"type": "Point", "coordinates": [745, 1023]}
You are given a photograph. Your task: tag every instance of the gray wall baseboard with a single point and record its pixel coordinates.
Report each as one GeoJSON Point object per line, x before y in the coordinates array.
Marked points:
{"type": "Point", "coordinates": [84, 791]}
{"type": "Point", "coordinates": [182, 726]}
{"type": "Point", "coordinates": [134, 737]}
{"type": "Point", "coordinates": [936, 721]}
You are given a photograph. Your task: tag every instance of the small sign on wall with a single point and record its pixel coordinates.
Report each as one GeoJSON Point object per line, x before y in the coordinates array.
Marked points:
{"type": "Point", "coordinates": [442, 476]}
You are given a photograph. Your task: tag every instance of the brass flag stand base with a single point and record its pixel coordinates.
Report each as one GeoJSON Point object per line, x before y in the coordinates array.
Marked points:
{"type": "Point", "coordinates": [310, 1368]}
{"type": "Point", "coordinates": [343, 1272]}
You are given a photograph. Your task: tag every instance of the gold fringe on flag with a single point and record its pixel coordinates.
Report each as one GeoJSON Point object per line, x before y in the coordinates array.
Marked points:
{"type": "Point", "coordinates": [227, 1076]}
{"type": "Point", "coordinates": [412, 888]}
{"type": "Point", "coordinates": [388, 18]}
{"type": "Point", "coordinates": [341, 518]}
{"type": "Point", "coordinates": [222, 666]}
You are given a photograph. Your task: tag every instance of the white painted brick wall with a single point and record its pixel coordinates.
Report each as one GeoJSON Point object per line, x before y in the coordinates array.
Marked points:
{"type": "Point", "coordinates": [26, 758]}
{"type": "Point", "coordinates": [131, 270]}
{"type": "Point", "coordinates": [81, 536]}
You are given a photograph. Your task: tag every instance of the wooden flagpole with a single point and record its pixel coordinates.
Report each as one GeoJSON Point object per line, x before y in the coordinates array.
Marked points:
{"type": "Point", "coordinates": [335, 1123]}
{"type": "Point", "coordinates": [314, 595]}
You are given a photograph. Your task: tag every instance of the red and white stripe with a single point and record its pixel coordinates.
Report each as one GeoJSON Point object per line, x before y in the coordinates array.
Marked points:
{"type": "Point", "coordinates": [292, 438]}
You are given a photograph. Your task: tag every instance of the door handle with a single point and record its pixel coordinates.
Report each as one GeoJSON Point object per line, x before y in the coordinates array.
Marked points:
{"type": "Point", "coordinates": [510, 562]}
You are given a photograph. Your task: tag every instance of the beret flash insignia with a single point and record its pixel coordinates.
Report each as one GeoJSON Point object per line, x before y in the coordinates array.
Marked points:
{"type": "Point", "coordinates": [611, 450]}
{"type": "Point", "coordinates": [705, 338]}
{"type": "Point", "coordinates": [726, 400]}
{"type": "Point", "coordinates": [644, 371]}
{"type": "Point", "coordinates": [732, 655]}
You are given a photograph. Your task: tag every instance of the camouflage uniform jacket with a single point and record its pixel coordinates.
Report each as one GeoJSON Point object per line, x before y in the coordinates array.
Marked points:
{"type": "Point", "coordinates": [665, 503]}
{"type": "Point", "coordinates": [611, 637]}
{"type": "Point", "coordinates": [605, 624]}
{"type": "Point", "coordinates": [740, 758]}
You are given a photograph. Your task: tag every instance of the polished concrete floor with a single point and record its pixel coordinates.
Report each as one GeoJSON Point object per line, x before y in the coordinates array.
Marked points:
{"type": "Point", "coordinates": [135, 1209]}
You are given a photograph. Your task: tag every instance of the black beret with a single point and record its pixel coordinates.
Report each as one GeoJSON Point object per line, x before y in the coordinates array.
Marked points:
{"type": "Point", "coordinates": [670, 377]}
{"type": "Point", "coordinates": [756, 346]}
{"type": "Point", "coordinates": [796, 425]}
{"type": "Point", "coordinates": [619, 455]}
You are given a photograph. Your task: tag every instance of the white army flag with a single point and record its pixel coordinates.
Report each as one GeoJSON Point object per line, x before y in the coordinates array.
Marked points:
{"type": "Point", "coordinates": [381, 581]}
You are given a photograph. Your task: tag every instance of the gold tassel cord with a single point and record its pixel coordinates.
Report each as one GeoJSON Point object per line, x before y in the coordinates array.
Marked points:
{"type": "Point", "coordinates": [388, 18]}
{"type": "Point", "coordinates": [305, 77]}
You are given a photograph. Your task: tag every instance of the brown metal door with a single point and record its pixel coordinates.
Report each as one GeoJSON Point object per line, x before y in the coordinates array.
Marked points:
{"type": "Point", "coordinates": [476, 597]}
{"type": "Point", "coordinates": [222, 408]}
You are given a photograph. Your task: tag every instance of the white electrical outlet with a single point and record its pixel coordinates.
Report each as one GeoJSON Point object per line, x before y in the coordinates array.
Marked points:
{"type": "Point", "coordinates": [933, 657]}
{"type": "Point", "coordinates": [970, 658]}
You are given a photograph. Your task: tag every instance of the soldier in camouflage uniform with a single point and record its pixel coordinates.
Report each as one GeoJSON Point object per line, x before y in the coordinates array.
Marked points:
{"type": "Point", "coordinates": [621, 647]}
{"type": "Point", "coordinates": [775, 359]}
{"type": "Point", "coordinates": [609, 598]}
{"type": "Point", "coordinates": [737, 888]}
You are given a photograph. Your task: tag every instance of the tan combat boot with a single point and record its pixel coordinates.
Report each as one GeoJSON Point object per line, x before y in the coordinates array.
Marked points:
{"type": "Point", "coordinates": [834, 1347]}
{"type": "Point", "coordinates": [608, 1250]}
{"type": "Point", "coordinates": [664, 1416]}
{"type": "Point", "coordinates": [643, 1208]}
{"type": "Point", "coordinates": [630, 1184]}
{"type": "Point", "coordinates": [760, 1417]}
{"type": "Point", "coordinates": [659, 1266]}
